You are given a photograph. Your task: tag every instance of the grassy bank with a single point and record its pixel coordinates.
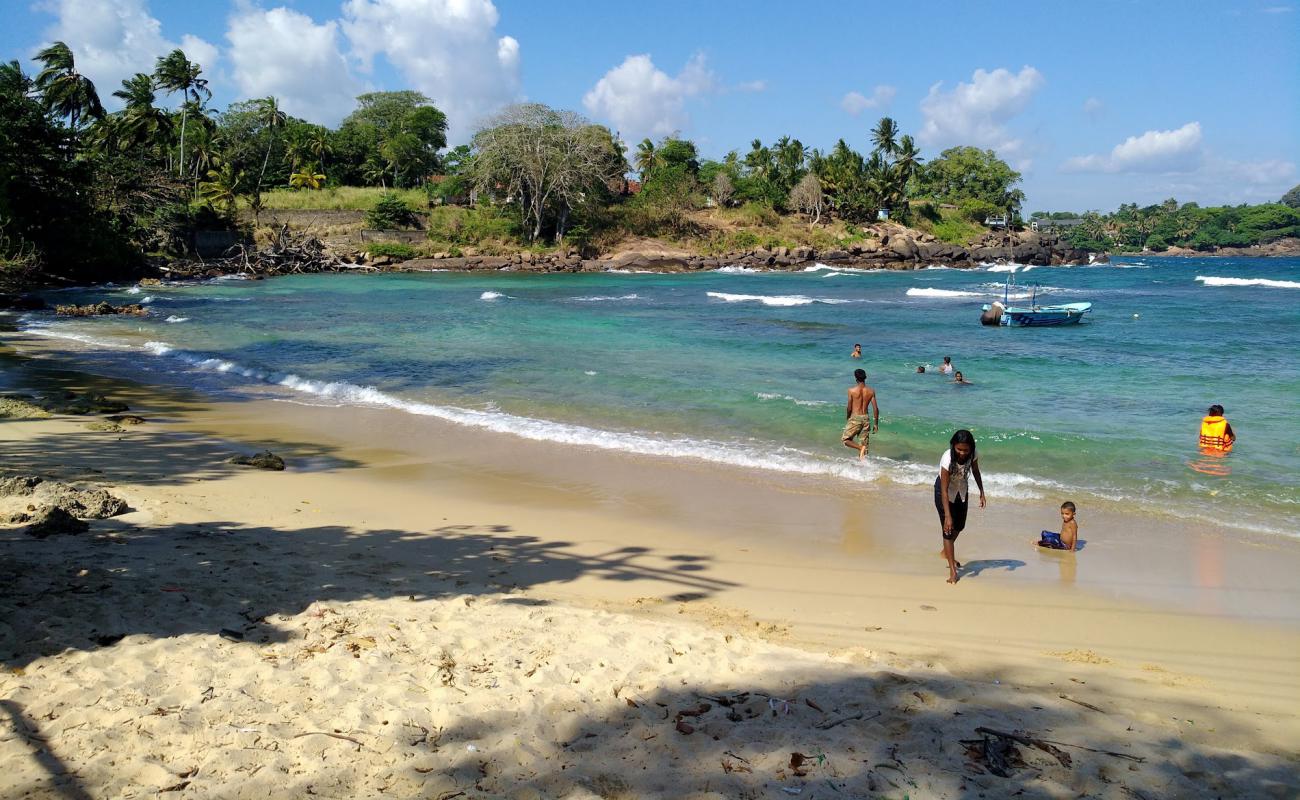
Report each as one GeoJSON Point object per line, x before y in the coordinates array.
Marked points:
{"type": "Point", "coordinates": [336, 198]}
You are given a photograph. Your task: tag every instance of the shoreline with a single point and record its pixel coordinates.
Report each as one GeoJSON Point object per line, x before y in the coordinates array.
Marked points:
{"type": "Point", "coordinates": [817, 592]}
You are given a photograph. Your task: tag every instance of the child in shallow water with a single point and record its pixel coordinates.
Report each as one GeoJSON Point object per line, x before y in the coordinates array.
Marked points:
{"type": "Point", "coordinates": [1069, 535]}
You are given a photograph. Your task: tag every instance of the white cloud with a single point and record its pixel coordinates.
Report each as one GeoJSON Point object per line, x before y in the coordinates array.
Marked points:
{"type": "Point", "coordinates": [641, 100]}
{"type": "Point", "coordinates": [1278, 10]}
{"type": "Point", "coordinates": [752, 86]}
{"type": "Point", "coordinates": [1093, 106]}
{"type": "Point", "coordinates": [201, 52]}
{"type": "Point", "coordinates": [114, 39]}
{"type": "Point", "coordinates": [854, 103]}
{"type": "Point", "coordinates": [284, 53]}
{"type": "Point", "coordinates": [1177, 150]}
{"type": "Point", "coordinates": [447, 49]}
{"type": "Point", "coordinates": [977, 113]}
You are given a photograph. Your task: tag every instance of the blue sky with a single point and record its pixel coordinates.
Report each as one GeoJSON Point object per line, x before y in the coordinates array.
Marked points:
{"type": "Point", "coordinates": [1097, 103]}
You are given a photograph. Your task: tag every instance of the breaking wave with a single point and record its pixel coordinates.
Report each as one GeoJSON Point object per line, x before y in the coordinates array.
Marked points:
{"type": "Point", "coordinates": [1266, 282]}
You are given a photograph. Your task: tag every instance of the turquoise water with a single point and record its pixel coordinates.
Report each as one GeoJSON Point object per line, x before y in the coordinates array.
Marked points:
{"type": "Point", "coordinates": [750, 369]}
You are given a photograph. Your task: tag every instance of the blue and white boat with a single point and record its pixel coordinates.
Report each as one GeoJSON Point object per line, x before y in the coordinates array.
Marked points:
{"type": "Point", "coordinates": [1001, 312]}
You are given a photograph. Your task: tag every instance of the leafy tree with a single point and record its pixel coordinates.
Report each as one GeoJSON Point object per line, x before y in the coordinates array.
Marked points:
{"type": "Point", "coordinates": [723, 189]}
{"type": "Point", "coordinates": [549, 163]}
{"type": "Point", "coordinates": [968, 173]}
{"type": "Point", "coordinates": [391, 212]}
{"type": "Point", "coordinates": [395, 134]}
{"type": "Point", "coordinates": [66, 92]}
{"type": "Point", "coordinates": [223, 188]}
{"type": "Point", "coordinates": [807, 197]}
{"type": "Point", "coordinates": [273, 119]}
{"type": "Point", "coordinates": [1291, 198]}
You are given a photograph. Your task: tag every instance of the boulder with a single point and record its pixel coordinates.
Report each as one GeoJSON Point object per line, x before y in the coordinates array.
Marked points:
{"type": "Point", "coordinates": [904, 248]}
{"type": "Point", "coordinates": [100, 309]}
{"type": "Point", "coordinates": [83, 503]}
{"type": "Point", "coordinates": [20, 485]}
{"type": "Point", "coordinates": [21, 406]}
{"type": "Point", "coordinates": [88, 403]}
{"type": "Point", "coordinates": [52, 521]}
{"type": "Point", "coordinates": [263, 460]}
{"type": "Point", "coordinates": [104, 426]}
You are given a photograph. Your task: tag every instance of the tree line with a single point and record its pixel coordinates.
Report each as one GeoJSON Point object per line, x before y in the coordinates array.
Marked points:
{"type": "Point", "coordinates": [1172, 224]}
{"type": "Point", "coordinates": [84, 191]}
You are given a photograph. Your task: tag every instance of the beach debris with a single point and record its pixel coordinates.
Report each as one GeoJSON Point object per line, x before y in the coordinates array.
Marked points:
{"type": "Point", "coordinates": [685, 728]}
{"type": "Point", "coordinates": [100, 309]}
{"type": "Point", "coordinates": [104, 426]}
{"type": "Point", "coordinates": [126, 419]}
{"type": "Point", "coordinates": [231, 634]}
{"type": "Point", "coordinates": [825, 726]}
{"type": "Point", "coordinates": [52, 520]}
{"type": "Point", "coordinates": [263, 460]}
{"type": "Point", "coordinates": [1089, 706]}
{"type": "Point", "coordinates": [332, 736]}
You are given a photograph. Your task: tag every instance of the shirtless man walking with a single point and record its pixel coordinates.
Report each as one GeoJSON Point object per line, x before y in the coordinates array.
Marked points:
{"type": "Point", "coordinates": [861, 399]}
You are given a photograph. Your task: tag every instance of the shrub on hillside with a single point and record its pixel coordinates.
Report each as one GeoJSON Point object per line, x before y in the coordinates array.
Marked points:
{"type": "Point", "coordinates": [391, 212]}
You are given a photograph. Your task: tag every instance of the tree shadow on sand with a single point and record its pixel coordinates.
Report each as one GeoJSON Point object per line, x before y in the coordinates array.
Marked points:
{"type": "Point", "coordinates": [609, 728]}
{"type": "Point", "coordinates": [219, 577]}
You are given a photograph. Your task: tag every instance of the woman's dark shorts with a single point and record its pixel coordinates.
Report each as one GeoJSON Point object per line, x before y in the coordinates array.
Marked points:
{"type": "Point", "coordinates": [958, 507]}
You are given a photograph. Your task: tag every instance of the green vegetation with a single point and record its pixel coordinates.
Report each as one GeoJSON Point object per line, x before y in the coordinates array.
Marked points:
{"type": "Point", "coordinates": [1169, 224]}
{"type": "Point", "coordinates": [1291, 198]}
{"type": "Point", "coordinates": [86, 194]}
{"type": "Point", "coordinates": [391, 212]}
{"type": "Point", "coordinates": [393, 249]}
{"type": "Point", "coordinates": [950, 225]}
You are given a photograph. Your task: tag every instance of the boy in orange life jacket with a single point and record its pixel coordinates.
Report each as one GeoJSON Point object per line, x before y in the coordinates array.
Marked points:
{"type": "Point", "coordinates": [1216, 432]}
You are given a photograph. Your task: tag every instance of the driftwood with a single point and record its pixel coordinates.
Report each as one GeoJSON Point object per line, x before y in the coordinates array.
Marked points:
{"type": "Point", "coordinates": [289, 253]}
{"type": "Point", "coordinates": [997, 752]}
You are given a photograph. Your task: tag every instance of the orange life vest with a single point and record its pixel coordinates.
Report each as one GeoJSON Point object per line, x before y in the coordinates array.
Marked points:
{"type": "Point", "coordinates": [1214, 434]}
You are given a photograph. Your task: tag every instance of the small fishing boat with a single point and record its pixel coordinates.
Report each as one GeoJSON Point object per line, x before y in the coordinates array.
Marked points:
{"type": "Point", "coordinates": [1001, 312]}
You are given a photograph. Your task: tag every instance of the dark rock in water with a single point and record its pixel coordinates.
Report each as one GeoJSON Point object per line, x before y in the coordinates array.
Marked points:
{"type": "Point", "coordinates": [52, 521]}
{"type": "Point", "coordinates": [100, 309]}
{"type": "Point", "coordinates": [22, 302]}
{"type": "Point", "coordinates": [126, 419]}
{"type": "Point", "coordinates": [263, 460]}
{"type": "Point", "coordinates": [20, 485]}
{"type": "Point", "coordinates": [88, 403]}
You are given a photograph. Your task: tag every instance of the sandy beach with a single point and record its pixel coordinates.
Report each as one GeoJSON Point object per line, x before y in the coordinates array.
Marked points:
{"type": "Point", "coordinates": [417, 609]}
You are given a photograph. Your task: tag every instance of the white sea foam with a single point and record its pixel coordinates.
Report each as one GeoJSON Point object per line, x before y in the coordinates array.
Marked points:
{"type": "Point", "coordinates": [772, 458]}
{"type": "Point", "coordinates": [174, 318]}
{"type": "Point", "coordinates": [491, 296]}
{"type": "Point", "coordinates": [775, 300]}
{"type": "Point", "coordinates": [50, 332]}
{"type": "Point", "coordinates": [632, 271]}
{"type": "Point", "coordinates": [133, 290]}
{"type": "Point", "coordinates": [590, 372]}
{"type": "Point", "coordinates": [1265, 282]}
{"type": "Point", "coordinates": [1002, 267]}
{"type": "Point", "coordinates": [605, 298]}
{"type": "Point", "coordinates": [820, 267]}
{"type": "Point", "coordinates": [834, 275]}
{"type": "Point", "coordinates": [788, 398]}
{"type": "Point", "coordinates": [941, 293]}
{"type": "Point", "coordinates": [732, 269]}
{"type": "Point", "coordinates": [146, 300]}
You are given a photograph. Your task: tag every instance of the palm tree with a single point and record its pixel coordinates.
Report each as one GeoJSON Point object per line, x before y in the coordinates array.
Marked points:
{"type": "Point", "coordinates": [646, 159]}
{"type": "Point", "coordinates": [140, 122]}
{"type": "Point", "coordinates": [273, 119]}
{"type": "Point", "coordinates": [176, 73]}
{"type": "Point", "coordinates": [907, 159]}
{"type": "Point", "coordinates": [307, 178]}
{"type": "Point", "coordinates": [885, 136]}
{"type": "Point", "coordinates": [318, 144]}
{"type": "Point", "coordinates": [67, 92]}
{"type": "Point", "coordinates": [222, 187]}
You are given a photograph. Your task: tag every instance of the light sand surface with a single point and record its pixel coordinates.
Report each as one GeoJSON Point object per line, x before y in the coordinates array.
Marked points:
{"type": "Point", "coordinates": [477, 614]}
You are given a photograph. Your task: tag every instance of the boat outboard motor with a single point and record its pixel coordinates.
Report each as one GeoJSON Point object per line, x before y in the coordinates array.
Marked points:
{"type": "Point", "coordinates": [992, 314]}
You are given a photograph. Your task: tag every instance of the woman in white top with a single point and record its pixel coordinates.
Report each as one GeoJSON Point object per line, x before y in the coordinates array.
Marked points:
{"type": "Point", "coordinates": [951, 492]}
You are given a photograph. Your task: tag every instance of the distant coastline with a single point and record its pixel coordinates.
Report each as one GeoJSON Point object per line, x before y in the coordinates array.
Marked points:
{"type": "Point", "coordinates": [1282, 248]}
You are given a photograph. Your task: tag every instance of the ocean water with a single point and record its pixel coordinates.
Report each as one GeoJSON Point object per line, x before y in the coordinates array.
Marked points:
{"type": "Point", "coordinates": [750, 369]}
